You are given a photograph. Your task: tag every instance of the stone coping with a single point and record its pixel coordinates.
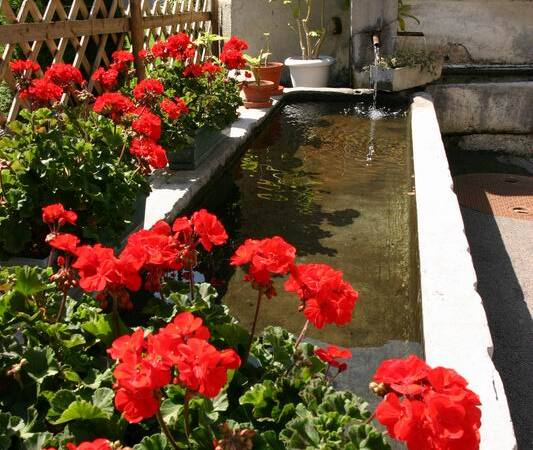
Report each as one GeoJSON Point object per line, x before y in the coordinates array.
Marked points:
{"type": "Point", "coordinates": [455, 328]}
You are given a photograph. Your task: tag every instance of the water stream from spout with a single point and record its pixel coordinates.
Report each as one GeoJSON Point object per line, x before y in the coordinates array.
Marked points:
{"type": "Point", "coordinates": [374, 113]}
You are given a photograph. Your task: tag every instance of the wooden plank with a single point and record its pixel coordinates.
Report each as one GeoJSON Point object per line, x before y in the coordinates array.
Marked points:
{"type": "Point", "coordinates": [24, 32]}
{"type": "Point", "coordinates": [137, 36]}
{"type": "Point", "coordinates": [46, 31]}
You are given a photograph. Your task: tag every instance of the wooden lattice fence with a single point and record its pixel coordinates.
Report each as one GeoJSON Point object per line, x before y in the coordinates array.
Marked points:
{"type": "Point", "coordinates": [86, 32]}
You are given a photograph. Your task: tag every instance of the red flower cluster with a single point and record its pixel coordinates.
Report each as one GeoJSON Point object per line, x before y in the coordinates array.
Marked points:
{"type": "Point", "coordinates": [20, 66]}
{"type": "Point", "coordinates": [101, 271]}
{"type": "Point", "coordinates": [326, 297]}
{"type": "Point", "coordinates": [266, 257]}
{"type": "Point", "coordinates": [108, 79]}
{"type": "Point", "coordinates": [149, 154]}
{"type": "Point", "coordinates": [231, 55]}
{"type": "Point", "coordinates": [331, 355]}
{"type": "Point", "coordinates": [64, 75]}
{"type": "Point", "coordinates": [202, 228]}
{"type": "Point", "coordinates": [177, 46]}
{"type": "Point", "coordinates": [147, 124]}
{"type": "Point", "coordinates": [41, 92]}
{"type": "Point", "coordinates": [158, 250]}
{"type": "Point", "coordinates": [428, 409]}
{"type": "Point", "coordinates": [97, 444]}
{"type": "Point", "coordinates": [113, 104]}
{"type": "Point", "coordinates": [178, 353]}
{"type": "Point", "coordinates": [174, 109]}
{"type": "Point", "coordinates": [56, 214]}
{"type": "Point", "coordinates": [147, 91]}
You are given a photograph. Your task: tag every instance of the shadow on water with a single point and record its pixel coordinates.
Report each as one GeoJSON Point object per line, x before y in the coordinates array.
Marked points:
{"type": "Point", "coordinates": [509, 318]}
{"type": "Point", "coordinates": [306, 177]}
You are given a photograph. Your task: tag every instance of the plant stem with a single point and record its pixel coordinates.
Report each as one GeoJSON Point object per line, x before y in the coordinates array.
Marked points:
{"type": "Point", "coordinates": [166, 431]}
{"type": "Point", "coordinates": [254, 324]}
{"type": "Point", "coordinates": [61, 306]}
{"type": "Point", "coordinates": [116, 326]}
{"type": "Point", "coordinates": [302, 334]}
{"type": "Point", "coordinates": [191, 283]}
{"type": "Point", "coordinates": [186, 417]}
{"type": "Point", "coordinates": [122, 152]}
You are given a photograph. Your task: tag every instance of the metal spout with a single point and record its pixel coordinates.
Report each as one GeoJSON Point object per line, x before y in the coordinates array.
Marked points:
{"type": "Point", "coordinates": [376, 42]}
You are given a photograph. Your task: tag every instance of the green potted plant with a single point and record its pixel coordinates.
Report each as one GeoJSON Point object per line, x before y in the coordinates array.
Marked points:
{"type": "Point", "coordinates": [256, 91]}
{"type": "Point", "coordinates": [271, 70]}
{"type": "Point", "coordinates": [310, 69]}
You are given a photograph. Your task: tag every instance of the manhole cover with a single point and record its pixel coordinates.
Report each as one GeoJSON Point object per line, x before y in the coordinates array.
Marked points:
{"type": "Point", "coordinates": [497, 194]}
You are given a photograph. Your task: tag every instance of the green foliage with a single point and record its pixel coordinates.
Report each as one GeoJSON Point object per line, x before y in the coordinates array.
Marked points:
{"type": "Point", "coordinates": [56, 379]}
{"type": "Point", "coordinates": [212, 100]}
{"type": "Point", "coordinates": [409, 58]}
{"type": "Point", "coordinates": [68, 157]}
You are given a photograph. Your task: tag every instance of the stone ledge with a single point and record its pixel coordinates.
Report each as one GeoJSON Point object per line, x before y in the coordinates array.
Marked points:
{"type": "Point", "coordinates": [456, 332]}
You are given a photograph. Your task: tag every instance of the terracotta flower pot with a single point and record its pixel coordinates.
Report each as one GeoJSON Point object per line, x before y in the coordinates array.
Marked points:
{"type": "Point", "coordinates": [272, 72]}
{"type": "Point", "coordinates": [257, 95]}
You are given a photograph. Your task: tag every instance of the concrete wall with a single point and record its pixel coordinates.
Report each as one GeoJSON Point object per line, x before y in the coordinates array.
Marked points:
{"type": "Point", "coordinates": [466, 31]}
{"type": "Point", "coordinates": [249, 19]}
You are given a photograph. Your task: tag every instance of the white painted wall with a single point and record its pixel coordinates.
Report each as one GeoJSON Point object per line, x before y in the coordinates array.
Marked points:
{"type": "Point", "coordinates": [249, 19]}
{"type": "Point", "coordinates": [467, 31]}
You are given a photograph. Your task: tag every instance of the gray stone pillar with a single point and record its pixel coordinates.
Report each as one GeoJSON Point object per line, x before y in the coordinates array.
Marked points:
{"type": "Point", "coordinates": [369, 16]}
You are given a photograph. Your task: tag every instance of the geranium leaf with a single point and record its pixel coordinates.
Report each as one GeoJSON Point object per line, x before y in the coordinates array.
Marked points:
{"type": "Point", "coordinates": [31, 280]}
{"type": "Point", "coordinates": [154, 442]}
{"type": "Point", "coordinates": [171, 411]}
{"type": "Point", "coordinates": [82, 410]}
{"type": "Point", "coordinates": [103, 399]}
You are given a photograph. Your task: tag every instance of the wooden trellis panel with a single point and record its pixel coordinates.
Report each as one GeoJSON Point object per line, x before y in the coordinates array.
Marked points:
{"type": "Point", "coordinates": [86, 32]}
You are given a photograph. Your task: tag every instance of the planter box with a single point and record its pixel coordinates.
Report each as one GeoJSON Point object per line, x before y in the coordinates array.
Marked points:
{"type": "Point", "coordinates": [394, 80]}
{"type": "Point", "coordinates": [191, 156]}
{"type": "Point", "coordinates": [21, 261]}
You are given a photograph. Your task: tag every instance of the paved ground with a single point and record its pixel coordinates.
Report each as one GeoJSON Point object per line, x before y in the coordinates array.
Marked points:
{"type": "Point", "coordinates": [502, 250]}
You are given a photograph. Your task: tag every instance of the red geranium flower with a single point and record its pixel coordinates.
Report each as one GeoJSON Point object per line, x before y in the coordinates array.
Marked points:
{"type": "Point", "coordinates": [100, 270]}
{"type": "Point", "coordinates": [42, 92]}
{"type": "Point", "coordinates": [210, 68]}
{"type": "Point", "coordinates": [437, 411]}
{"type": "Point", "coordinates": [403, 375]}
{"type": "Point", "coordinates": [209, 229]}
{"type": "Point", "coordinates": [55, 215]}
{"type": "Point", "coordinates": [108, 79]}
{"type": "Point", "coordinates": [331, 355]}
{"type": "Point", "coordinates": [158, 250]}
{"type": "Point", "coordinates": [160, 50]}
{"type": "Point", "coordinates": [114, 105]}
{"type": "Point", "coordinates": [148, 90]}
{"type": "Point", "coordinates": [122, 60]}
{"type": "Point", "coordinates": [180, 47]}
{"type": "Point", "coordinates": [267, 257]}
{"type": "Point", "coordinates": [147, 124]}
{"type": "Point", "coordinates": [193, 70]}
{"type": "Point", "coordinates": [19, 66]}
{"type": "Point", "coordinates": [149, 152]}
{"type": "Point", "coordinates": [236, 43]}
{"type": "Point", "coordinates": [326, 297]}
{"type": "Point", "coordinates": [128, 348]}
{"type": "Point", "coordinates": [203, 369]}
{"type": "Point", "coordinates": [97, 444]}
{"type": "Point", "coordinates": [232, 59]}
{"type": "Point", "coordinates": [64, 75]}
{"type": "Point", "coordinates": [136, 405]}
{"type": "Point", "coordinates": [65, 242]}
{"type": "Point", "coordinates": [174, 109]}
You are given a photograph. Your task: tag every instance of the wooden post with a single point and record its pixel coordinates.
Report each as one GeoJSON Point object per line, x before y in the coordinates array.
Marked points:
{"type": "Point", "coordinates": [215, 25]}
{"type": "Point", "coordinates": [137, 36]}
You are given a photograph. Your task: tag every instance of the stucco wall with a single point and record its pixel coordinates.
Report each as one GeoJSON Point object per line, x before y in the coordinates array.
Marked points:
{"type": "Point", "coordinates": [465, 31]}
{"type": "Point", "coordinates": [249, 19]}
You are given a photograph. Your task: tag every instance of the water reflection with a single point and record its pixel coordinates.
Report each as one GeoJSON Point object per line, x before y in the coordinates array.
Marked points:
{"type": "Point", "coordinates": [306, 178]}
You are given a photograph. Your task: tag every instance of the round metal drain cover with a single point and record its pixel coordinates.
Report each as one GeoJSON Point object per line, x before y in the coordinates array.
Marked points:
{"type": "Point", "coordinates": [497, 194]}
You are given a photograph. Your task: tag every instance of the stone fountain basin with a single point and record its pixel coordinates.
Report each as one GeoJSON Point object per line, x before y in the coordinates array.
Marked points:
{"type": "Point", "coordinates": [398, 79]}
